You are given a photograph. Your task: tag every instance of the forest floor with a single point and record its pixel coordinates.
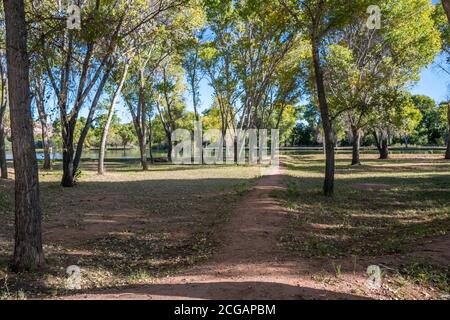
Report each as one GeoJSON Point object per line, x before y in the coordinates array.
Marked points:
{"type": "Point", "coordinates": [227, 233]}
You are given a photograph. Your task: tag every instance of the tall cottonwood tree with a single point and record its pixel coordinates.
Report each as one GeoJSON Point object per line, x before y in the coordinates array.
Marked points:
{"type": "Point", "coordinates": [28, 252]}
{"type": "Point", "coordinates": [317, 20]}
{"type": "Point", "coordinates": [157, 42]}
{"type": "Point", "coordinates": [123, 73]}
{"type": "Point", "coordinates": [138, 92]}
{"type": "Point", "coordinates": [39, 90]}
{"type": "Point", "coordinates": [79, 62]}
{"type": "Point", "coordinates": [264, 39]}
{"type": "Point", "coordinates": [366, 62]}
{"type": "Point", "coordinates": [249, 62]}
{"type": "Point", "coordinates": [169, 103]}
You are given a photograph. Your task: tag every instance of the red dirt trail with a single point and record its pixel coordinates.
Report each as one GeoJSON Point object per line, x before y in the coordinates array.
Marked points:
{"type": "Point", "coordinates": [248, 264]}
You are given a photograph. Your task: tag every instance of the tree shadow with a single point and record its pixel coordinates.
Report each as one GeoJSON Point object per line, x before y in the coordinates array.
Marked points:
{"type": "Point", "coordinates": [244, 290]}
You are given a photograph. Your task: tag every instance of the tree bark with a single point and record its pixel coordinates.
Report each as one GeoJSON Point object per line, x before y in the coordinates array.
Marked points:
{"type": "Point", "coordinates": [384, 154]}
{"type": "Point", "coordinates": [68, 180]}
{"type": "Point", "coordinates": [382, 144]}
{"type": "Point", "coordinates": [446, 5]}
{"type": "Point", "coordinates": [143, 152]}
{"type": "Point", "coordinates": [169, 146]}
{"type": "Point", "coordinates": [140, 127]}
{"type": "Point", "coordinates": [447, 153]}
{"type": "Point", "coordinates": [150, 139]}
{"type": "Point", "coordinates": [28, 252]}
{"type": "Point", "coordinates": [328, 185]}
{"type": "Point", "coordinates": [356, 142]}
{"type": "Point", "coordinates": [101, 155]}
{"type": "Point", "coordinates": [3, 164]}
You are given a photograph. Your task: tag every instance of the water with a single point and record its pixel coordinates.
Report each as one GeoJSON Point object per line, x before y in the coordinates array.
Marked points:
{"type": "Point", "coordinates": [93, 154]}
{"type": "Point", "coordinates": [130, 154]}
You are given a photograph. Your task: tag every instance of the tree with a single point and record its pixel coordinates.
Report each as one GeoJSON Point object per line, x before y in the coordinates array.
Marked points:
{"type": "Point", "coordinates": [365, 62]}
{"type": "Point", "coordinates": [116, 95]}
{"type": "Point", "coordinates": [192, 66]}
{"type": "Point", "coordinates": [126, 134]}
{"type": "Point", "coordinates": [169, 102]}
{"type": "Point", "coordinates": [138, 92]}
{"type": "Point", "coordinates": [28, 252]}
{"type": "Point", "coordinates": [158, 42]}
{"type": "Point", "coordinates": [217, 57]}
{"type": "Point", "coordinates": [78, 63]}
{"type": "Point", "coordinates": [40, 97]}
{"type": "Point", "coordinates": [431, 129]}
{"type": "Point", "coordinates": [317, 20]}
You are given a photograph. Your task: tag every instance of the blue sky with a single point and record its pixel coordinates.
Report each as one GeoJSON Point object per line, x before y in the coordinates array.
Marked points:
{"type": "Point", "coordinates": [434, 82]}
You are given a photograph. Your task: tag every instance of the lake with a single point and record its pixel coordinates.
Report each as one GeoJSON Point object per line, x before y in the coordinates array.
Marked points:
{"type": "Point", "coordinates": [93, 154]}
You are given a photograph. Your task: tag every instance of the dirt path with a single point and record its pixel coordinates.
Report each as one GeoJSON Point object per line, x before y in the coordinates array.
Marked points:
{"type": "Point", "coordinates": [248, 264]}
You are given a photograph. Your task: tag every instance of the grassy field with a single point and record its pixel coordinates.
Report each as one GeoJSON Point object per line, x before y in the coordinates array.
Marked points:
{"type": "Point", "coordinates": [125, 227]}
{"type": "Point", "coordinates": [381, 208]}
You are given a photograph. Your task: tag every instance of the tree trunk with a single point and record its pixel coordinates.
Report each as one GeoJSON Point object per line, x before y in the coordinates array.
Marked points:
{"type": "Point", "coordinates": [447, 153]}
{"type": "Point", "coordinates": [328, 185]}
{"type": "Point", "coordinates": [356, 142]}
{"type": "Point", "coordinates": [143, 152]}
{"type": "Point", "coordinates": [101, 155]}
{"type": "Point", "coordinates": [384, 146]}
{"type": "Point", "coordinates": [3, 164]}
{"type": "Point", "coordinates": [150, 139]}
{"type": "Point", "coordinates": [170, 147]}
{"type": "Point", "coordinates": [446, 4]}
{"type": "Point", "coordinates": [28, 252]}
{"type": "Point", "coordinates": [68, 180]}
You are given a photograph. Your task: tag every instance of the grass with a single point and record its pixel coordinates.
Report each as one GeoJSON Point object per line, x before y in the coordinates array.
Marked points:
{"type": "Point", "coordinates": [381, 207]}
{"type": "Point", "coordinates": [130, 227]}
{"type": "Point", "coordinates": [426, 274]}
{"type": "Point", "coordinates": [126, 227]}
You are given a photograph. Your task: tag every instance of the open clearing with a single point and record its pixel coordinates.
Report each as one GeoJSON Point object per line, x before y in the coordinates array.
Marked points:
{"type": "Point", "coordinates": [226, 233]}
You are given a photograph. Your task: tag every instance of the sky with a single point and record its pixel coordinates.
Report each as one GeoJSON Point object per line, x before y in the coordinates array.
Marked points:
{"type": "Point", "coordinates": [434, 82]}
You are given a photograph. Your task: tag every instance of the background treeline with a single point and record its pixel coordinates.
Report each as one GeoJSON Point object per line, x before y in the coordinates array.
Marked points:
{"type": "Point", "coordinates": [313, 69]}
